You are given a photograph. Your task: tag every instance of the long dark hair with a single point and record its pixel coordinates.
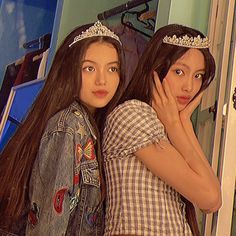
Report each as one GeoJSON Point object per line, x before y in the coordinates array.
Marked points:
{"type": "Point", "coordinates": [159, 56]}
{"type": "Point", "coordinates": [61, 88]}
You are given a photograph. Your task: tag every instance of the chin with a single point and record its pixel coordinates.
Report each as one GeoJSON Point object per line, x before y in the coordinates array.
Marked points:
{"type": "Point", "coordinates": [101, 105]}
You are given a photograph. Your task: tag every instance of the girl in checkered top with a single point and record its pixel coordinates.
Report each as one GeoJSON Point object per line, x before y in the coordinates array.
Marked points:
{"type": "Point", "coordinates": [154, 165]}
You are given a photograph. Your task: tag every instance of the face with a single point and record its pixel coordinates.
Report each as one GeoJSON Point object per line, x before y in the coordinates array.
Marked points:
{"type": "Point", "coordinates": [100, 75]}
{"type": "Point", "coordinates": [185, 77]}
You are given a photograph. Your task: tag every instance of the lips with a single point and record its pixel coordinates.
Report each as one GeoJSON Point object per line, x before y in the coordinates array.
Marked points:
{"type": "Point", "coordinates": [100, 93]}
{"type": "Point", "coordinates": [183, 100]}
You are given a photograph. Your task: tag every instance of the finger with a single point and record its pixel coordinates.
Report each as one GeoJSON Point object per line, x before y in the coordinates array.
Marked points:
{"type": "Point", "coordinates": [156, 76]}
{"type": "Point", "coordinates": [194, 103]}
{"type": "Point", "coordinates": [155, 96]}
{"type": "Point", "coordinates": [156, 79]}
{"type": "Point", "coordinates": [168, 90]}
{"type": "Point", "coordinates": [159, 87]}
{"type": "Point", "coordinates": [199, 97]}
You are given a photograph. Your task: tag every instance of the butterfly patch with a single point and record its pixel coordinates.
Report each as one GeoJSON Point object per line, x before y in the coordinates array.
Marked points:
{"type": "Point", "coordinates": [87, 151]}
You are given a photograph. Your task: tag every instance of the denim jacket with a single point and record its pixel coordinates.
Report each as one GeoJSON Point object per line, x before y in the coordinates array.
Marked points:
{"type": "Point", "coordinates": [65, 191]}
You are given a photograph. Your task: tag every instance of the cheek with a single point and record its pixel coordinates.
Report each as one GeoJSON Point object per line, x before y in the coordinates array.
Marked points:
{"type": "Point", "coordinates": [82, 94]}
{"type": "Point", "coordinates": [173, 84]}
{"type": "Point", "coordinates": [114, 84]}
{"type": "Point", "coordinates": [198, 85]}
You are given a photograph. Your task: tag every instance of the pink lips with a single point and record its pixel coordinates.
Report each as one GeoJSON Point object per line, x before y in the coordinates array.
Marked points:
{"type": "Point", "coordinates": [183, 100]}
{"type": "Point", "coordinates": [100, 93]}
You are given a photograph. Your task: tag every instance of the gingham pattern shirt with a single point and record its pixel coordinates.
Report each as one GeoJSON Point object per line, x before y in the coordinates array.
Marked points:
{"type": "Point", "coordinates": [138, 202]}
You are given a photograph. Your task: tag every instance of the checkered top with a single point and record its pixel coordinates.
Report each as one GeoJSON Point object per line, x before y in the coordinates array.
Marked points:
{"type": "Point", "coordinates": [138, 203]}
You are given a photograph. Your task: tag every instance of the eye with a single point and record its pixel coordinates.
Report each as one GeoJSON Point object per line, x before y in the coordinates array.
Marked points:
{"type": "Point", "coordinates": [89, 68]}
{"type": "Point", "coordinates": [199, 76]}
{"type": "Point", "coordinates": [179, 72]}
{"type": "Point", "coordinates": [113, 69]}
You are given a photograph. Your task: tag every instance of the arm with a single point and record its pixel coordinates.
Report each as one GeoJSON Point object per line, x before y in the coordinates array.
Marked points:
{"type": "Point", "coordinates": [53, 172]}
{"type": "Point", "coordinates": [164, 161]}
{"type": "Point", "coordinates": [198, 171]}
{"type": "Point", "coordinates": [188, 127]}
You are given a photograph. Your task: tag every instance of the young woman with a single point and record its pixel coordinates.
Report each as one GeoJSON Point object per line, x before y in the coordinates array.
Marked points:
{"type": "Point", "coordinates": [51, 169]}
{"type": "Point", "coordinates": [153, 162]}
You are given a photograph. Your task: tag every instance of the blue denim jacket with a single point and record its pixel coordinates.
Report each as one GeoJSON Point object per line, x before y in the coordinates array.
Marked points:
{"type": "Point", "coordinates": [65, 191]}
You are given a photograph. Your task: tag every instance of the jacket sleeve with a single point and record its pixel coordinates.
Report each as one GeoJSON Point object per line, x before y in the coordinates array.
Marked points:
{"type": "Point", "coordinates": [50, 185]}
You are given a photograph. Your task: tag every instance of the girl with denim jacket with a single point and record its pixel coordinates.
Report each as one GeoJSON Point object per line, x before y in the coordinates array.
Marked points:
{"type": "Point", "coordinates": [51, 170]}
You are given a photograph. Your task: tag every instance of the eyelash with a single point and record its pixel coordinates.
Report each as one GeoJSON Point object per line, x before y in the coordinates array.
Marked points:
{"type": "Point", "coordinates": [87, 68]}
{"type": "Point", "coordinates": [200, 75]}
{"type": "Point", "coordinates": [91, 68]}
{"type": "Point", "coordinates": [113, 69]}
{"type": "Point", "coordinates": [179, 70]}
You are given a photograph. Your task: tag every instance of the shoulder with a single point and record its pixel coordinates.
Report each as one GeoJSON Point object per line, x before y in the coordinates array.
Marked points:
{"type": "Point", "coordinates": [132, 116]}
{"type": "Point", "coordinates": [69, 120]}
{"type": "Point", "coordinates": [133, 111]}
{"type": "Point", "coordinates": [132, 106]}
{"type": "Point", "coordinates": [132, 125]}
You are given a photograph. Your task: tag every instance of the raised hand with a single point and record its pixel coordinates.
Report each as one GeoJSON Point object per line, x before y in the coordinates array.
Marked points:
{"type": "Point", "coordinates": [186, 113]}
{"type": "Point", "coordinates": [163, 102]}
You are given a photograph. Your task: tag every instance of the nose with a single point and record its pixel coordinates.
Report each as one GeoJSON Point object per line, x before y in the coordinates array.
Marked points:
{"type": "Point", "coordinates": [188, 84]}
{"type": "Point", "coordinates": [100, 77]}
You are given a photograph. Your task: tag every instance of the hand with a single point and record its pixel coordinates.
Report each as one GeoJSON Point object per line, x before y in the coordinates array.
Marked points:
{"type": "Point", "coordinates": [186, 113]}
{"type": "Point", "coordinates": [163, 102]}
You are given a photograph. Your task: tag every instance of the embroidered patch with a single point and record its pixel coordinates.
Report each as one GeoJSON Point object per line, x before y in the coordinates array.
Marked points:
{"type": "Point", "coordinates": [33, 215]}
{"type": "Point", "coordinates": [79, 153]}
{"type": "Point", "coordinates": [76, 179]}
{"type": "Point", "coordinates": [87, 151]}
{"type": "Point", "coordinates": [91, 177]}
{"type": "Point", "coordinates": [77, 113]}
{"type": "Point", "coordinates": [73, 203]}
{"type": "Point", "coordinates": [92, 219]}
{"type": "Point", "coordinates": [81, 131]}
{"type": "Point", "coordinates": [59, 199]}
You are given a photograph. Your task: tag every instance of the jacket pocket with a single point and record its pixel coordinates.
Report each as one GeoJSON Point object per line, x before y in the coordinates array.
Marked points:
{"type": "Point", "coordinates": [90, 173]}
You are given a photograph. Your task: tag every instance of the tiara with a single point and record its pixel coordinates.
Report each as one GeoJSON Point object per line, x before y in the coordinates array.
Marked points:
{"type": "Point", "coordinates": [98, 29]}
{"type": "Point", "coordinates": [188, 42]}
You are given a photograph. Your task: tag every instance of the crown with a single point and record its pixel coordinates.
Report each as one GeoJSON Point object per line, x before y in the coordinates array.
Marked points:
{"type": "Point", "coordinates": [98, 29]}
{"type": "Point", "coordinates": [188, 42]}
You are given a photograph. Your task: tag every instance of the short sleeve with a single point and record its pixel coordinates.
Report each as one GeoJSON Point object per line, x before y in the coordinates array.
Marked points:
{"type": "Point", "coordinates": [131, 126]}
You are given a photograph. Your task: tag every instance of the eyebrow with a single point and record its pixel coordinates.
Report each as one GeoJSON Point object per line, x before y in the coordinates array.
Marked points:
{"type": "Point", "coordinates": [186, 66]}
{"type": "Point", "coordinates": [109, 63]}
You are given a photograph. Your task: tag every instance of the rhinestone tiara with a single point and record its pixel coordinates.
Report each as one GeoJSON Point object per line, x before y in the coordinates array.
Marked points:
{"type": "Point", "coordinates": [188, 42]}
{"type": "Point", "coordinates": [98, 29]}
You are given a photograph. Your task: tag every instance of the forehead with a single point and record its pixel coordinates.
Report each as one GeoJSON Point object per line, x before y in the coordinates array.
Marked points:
{"type": "Point", "coordinates": [193, 58]}
{"type": "Point", "coordinates": [100, 50]}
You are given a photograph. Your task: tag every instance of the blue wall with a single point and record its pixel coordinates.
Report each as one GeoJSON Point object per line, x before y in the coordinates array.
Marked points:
{"type": "Point", "coordinates": [22, 21]}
